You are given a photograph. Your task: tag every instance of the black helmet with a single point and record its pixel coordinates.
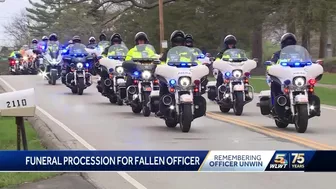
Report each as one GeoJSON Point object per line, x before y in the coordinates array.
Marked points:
{"type": "Point", "coordinates": [45, 38]}
{"type": "Point", "coordinates": [53, 37]}
{"type": "Point", "coordinates": [141, 36]}
{"type": "Point", "coordinates": [92, 39]}
{"type": "Point", "coordinates": [116, 38]}
{"type": "Point", "coordinates": [76, 39]}
{"type": "Point", "coordinates": [103, 37]}
{"type": "Point", "coordinates": [288, 39]}
{"type": "Point", "coordinates": [177, 38]}
{"type": "Point", "coordinates": [34, 41]}
{"type": "Point", "coordinates": [189, 40]}
{"type": "Point", "coordinates": [230, 40]}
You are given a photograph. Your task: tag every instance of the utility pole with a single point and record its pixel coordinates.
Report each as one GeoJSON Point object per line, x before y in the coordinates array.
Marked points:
{"type": "Point", "coordinates": [161, 25]}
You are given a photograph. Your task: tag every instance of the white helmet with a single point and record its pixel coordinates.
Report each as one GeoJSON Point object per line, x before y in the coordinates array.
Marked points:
{"type": "Point", "coordinates": [92, 39]}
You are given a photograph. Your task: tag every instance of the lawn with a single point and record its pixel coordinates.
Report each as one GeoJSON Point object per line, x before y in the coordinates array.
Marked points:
{"type": "Point", "coordinates": [326, 95]}
{"type": "Point", "coordinates": [328, 78]}
{"type": "Point", "coordinates": [8, 142]}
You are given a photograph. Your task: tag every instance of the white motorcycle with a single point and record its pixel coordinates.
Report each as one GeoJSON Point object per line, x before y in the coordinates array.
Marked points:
{"type": "Point", "coordinates": [294, 77]}
{"type": "Point", "coordinates": [184, 102]}
{"type": "Point", "coordinates": [235, 91]}
{"type": "Point", "coordinates": [52, 66]}
{"type": "Point", "coordinates": [111, 70]}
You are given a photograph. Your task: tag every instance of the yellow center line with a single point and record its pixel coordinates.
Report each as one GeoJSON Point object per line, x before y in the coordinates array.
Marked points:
{"type": "Point", "coordinates": [261, 129]}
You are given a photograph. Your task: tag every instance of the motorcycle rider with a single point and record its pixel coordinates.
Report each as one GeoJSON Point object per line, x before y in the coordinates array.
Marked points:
{"type": "Point", "coordinates": [177, 38]}
{"type": "Point", "coordinates": [53, 41]}
{"type": "Point", "coordinates": [230, 42]}
{"type": "Point", "coordinates": [45, 39]}
{"type": "Point", "coordinates": [102, 37]}
{"type": "Point", "coordinates": [66, 66]}
{"type": "Point", "coordinates": [140, 38]}
{"type": "Point", "coordinates": [189, 42]}
{"type": "Point", "coordinates": [92, 43]}
{"type": "Point", "coordinates": [34, 43]}
{"type": "Point", "coordinates": [286, 40]}
{"type": "Point", "coordinates": [13, 56]}
{"type": "Point", "coordinates": [115, 39]}
{"type": "Point", "coordinates": [36, 50]}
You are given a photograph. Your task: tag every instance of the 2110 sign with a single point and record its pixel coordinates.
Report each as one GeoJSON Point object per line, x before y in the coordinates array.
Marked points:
{"type": "Point", "coordinates": [16, 103]}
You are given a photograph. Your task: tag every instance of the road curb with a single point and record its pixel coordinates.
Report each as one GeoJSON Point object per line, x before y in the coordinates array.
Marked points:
{"type": "Point", "coordinates": [50, 141]}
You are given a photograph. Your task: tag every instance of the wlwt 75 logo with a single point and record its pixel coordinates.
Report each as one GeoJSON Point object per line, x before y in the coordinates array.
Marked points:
{"type": "Point", "coordinates": [280, 161]}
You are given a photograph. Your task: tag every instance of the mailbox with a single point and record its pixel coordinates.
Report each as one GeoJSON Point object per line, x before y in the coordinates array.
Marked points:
{"type": "Point", "coordinates": [18, 103]}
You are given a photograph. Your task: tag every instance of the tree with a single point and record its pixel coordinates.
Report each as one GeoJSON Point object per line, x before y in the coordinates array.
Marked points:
{"type": "Point", "coordinates": [17, 28]}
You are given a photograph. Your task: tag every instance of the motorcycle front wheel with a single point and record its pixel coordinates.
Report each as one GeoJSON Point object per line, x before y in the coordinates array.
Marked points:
{"type": "Point", "coordinates": [301, 119]}
{"type": "Point", "coordinates": [186, 118]}
{"type": "Point", "coordinates": [81, 86]}
{"type": "Point", "coordinates": [146, 111]}
{"type": "Point", "coordinates": [238, 103]}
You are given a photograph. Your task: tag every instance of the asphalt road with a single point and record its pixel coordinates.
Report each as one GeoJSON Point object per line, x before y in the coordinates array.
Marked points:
{"type": "Point", "coordinates": [91, 122]}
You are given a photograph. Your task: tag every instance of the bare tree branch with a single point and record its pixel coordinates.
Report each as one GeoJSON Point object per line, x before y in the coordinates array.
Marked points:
{"type": "Point", "coordinates": [117, 15]}
{"type": "Point", "coordinates": [97, 3]}
{"type": "Point", "coordinates": [18, 28]}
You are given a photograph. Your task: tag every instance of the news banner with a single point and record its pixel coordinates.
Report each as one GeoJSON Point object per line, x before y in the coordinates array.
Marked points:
{"type": "Point", "coordinates": [202, 161]}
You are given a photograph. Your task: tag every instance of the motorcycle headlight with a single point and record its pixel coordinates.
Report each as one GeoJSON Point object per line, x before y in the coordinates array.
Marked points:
{"type": "Point", "coordinates": [16, 61]}
{"type": "Point", "coordinates": [237, 73]}
{"type": "Point", "coordinates": [299, 82]}
{"type": "Point", "coordinates": [146, 74]}
{"type": "Point", "coordinates": [185, 81]}
{"type": "Point", "coordinates": [120, 70]}
{"type": "Point", "coordinates": [79, 65]}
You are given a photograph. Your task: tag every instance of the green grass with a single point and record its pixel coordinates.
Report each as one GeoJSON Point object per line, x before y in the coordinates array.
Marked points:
{"type": "Point", "coordinates": [328, 78]}
{"type": "Point", "coordinates": [326, 95]}
{"type": "Point", "coordinates": [8, 142]}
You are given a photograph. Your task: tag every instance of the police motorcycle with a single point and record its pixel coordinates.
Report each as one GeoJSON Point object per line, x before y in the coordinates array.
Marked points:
{"type": "Point", "coordinates": [52, 67]}
{"type": "Point", "coordinates": [111, 69]}
{"type": "Point", "coordinates": [236, 91]}
{"type": "Point", "coordinates": [80, 66]}
{"type": "Point", "coordinates": [15, 64]}
{"type": "Point", "coordinates": [297, 76]}
{"type": "Point", "coordinates": [182, 74]}
{"type": "Point", "coordinates": [24, 62]}
{"type": "Point", "coordinates": [143, 94]}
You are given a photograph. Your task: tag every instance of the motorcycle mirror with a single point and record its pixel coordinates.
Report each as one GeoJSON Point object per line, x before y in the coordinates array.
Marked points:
{"type": "Point", "coordinates": [319, 62]}
{"type": "Point", "coordinates": [157, 62]}
{"type": "Point", "coordinates": [99, 57]}
{"type": "Point", "coordinates": [268, 63]}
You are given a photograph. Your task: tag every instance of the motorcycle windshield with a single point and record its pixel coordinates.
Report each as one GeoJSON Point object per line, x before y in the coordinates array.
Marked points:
{"type": "Point", "coordinates": [144, 53]}
{"type": "Point", "coordinates": [42, 46]}
{"type": "Point", "coordinates": [53, 50]}
{"type": "Point", "coordinates": [181, 56]}
{"type": "Point", "coordinates": [234, 55]}
{"type": "Point", "coordinates": [295, 56]}
{"type": "Point", "coordinates": [199, 53]}
{"type": "Point", "coordinates": [103, 45]}
{"type": "Point", "coordinates": [117, 52]}
{"type": "Point", "coordinates": [78, 50]}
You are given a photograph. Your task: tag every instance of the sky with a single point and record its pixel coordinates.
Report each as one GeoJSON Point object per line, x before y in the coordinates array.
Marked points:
{"type": "Point", "coordinates": [8, 9]}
